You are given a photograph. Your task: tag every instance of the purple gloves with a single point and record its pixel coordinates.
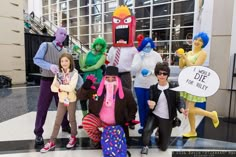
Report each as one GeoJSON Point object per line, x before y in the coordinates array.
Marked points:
{"type": "Point", "coordinates": [54, 69]}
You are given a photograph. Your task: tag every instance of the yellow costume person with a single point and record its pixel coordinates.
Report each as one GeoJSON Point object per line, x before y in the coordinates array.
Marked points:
{"type": "Point", "coordinates": [196, 57]}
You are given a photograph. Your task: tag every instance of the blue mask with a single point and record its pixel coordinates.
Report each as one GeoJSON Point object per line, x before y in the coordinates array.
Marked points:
{"type": "Point", "coordinates": [147, 48]}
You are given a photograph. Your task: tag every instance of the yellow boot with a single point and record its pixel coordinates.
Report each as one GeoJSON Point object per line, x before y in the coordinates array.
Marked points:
{"type": "Point", "coordinates": [215, 122]}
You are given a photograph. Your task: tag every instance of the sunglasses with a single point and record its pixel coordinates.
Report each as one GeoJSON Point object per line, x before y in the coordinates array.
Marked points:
{"type": "Point", "coordinates": [162, 73]}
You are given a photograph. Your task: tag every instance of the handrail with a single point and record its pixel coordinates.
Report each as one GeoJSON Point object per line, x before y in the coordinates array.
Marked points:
{"type": "Point", "coordinates": [51, 28]}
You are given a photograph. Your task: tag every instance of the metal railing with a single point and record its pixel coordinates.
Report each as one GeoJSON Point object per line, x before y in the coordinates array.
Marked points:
{"type": "Point", "coordinates": [39, 23]}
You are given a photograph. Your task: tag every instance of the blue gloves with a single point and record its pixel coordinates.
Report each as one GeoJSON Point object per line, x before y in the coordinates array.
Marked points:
{"type": "Point", "coordinates": [145, 72]}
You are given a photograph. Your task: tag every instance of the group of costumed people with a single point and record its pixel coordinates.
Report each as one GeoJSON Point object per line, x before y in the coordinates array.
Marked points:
{"type": "Point", "coordinates": [106, 98]}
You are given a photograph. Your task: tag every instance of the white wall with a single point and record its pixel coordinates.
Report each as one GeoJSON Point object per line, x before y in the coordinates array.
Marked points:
{"type": "Point", "coordinates": [203, 22]}
{"type": "Point", "coordinates": [36, 6]}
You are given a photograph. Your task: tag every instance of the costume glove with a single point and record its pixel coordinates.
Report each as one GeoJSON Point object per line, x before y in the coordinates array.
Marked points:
{"type": "Point", "coordinates": [54, 69]}
{"type": "Point", "coordinates": [145, 72]}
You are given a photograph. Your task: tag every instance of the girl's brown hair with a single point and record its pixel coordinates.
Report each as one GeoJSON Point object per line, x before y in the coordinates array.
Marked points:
{"type": "Point", "coordinates": [68, 56]}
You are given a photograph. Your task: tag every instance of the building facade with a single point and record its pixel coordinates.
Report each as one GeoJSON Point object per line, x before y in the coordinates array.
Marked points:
{"type": "Point", "coordinates": [168, 22]}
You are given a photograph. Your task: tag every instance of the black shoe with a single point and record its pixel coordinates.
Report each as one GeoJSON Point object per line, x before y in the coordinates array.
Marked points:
{"type": "Point", "coordinates": [96, 145]}
{"type": "Point", "coordinates": [39, 141]}
{"type": "Point", "coordinates": [132, 127]}
{"type": "Point", "coordinates": [144, 150]}
{"type": "Point", "coordinates": [66, 129]}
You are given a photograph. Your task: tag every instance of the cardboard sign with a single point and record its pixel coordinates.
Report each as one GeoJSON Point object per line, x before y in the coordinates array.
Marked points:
{"type": "Point", "coordinates": [198, 81]}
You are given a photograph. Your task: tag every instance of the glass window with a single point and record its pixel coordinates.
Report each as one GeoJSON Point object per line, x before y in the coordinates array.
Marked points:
{"type": "Point", "coordinates": [110, 6]}
{"type": "Point", "coordinates": [63, 14]}
{"type": "Point", "coordinates": [96, 1]}
{"type": "Point", "coordinates": [181, 33]}
{"type": "Point", "coordinates": [84, 39]}
{"type": "Point", "coordinates": [184, 6]}
{"type": "Point", "coordinates": [45, 2]}
{"type": "Point", "coordinates": [63, 6]}
{"type": "Point", "coordinates": [183, 20]}
{"type": "Point", "coordinates": [162, 22]}
{"type": "Point", "coordinates": [96, 9]}
{"type": "Point", "coordinates": [96, 19]}
{"type": "Point", "coordinates": [73, 13]}
{"type": "Point", "coordinates": [73, 31]}
{"type": "Point", "coordinates": [53, 1]}
{"type": "Point", "coordinates": [96, 28]}
{"type": "Point", "coordinates": [73, 22]}
{"type": "Point", "coordinates": [84, 20]}
{"type": "Point", "coordinates": [142, 12]}
{"type": "Point", "coordinates": [54, 16]}
{"type": "Point", "coordinates": [62, 0]}
{"type": "Point", "coordinates": [142, 24]}
{"type": "Point", "coordinates": [84, 11]}
{"type": "Point", "coordinates": [84, 29]}
{"type": "Point", "coordinates": [183, 44]}
{"type": "Point", "coordinates": [63, 23]}
{"type": "Point", "coordinates": [108, 37]}
{"type": "Point", "coordinates": [45, 10]}
{"type": "Point", "coordinates": [107, 27]}
{"type": "Point", "coordinates": [107, 17]}
{"type": "Point", "coordinates": [84, 2]}
{"type": "Point", "coordinates": [73, 4]}
{"type": "Point", "coordinates": [144, 32]}
{"type": "Point", "coordinates": [94, 36]}
{"type": "Point", "coordinates": [142, 2]}
{"type": "Point", "coordinates": [45, 17]}
{"type": "Point", "coordinates": [160, 1]}
{"type": "Point", "coordinates": [163, 34]}
{"type": "Point", "coordinates": [160, 10]}
{"type": "Point", "coordinates": [54, 8]}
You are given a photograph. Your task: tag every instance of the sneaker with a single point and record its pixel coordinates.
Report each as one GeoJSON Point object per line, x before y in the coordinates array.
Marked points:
{"type": "Point", "coordinates": [71, 142]}
{"type": "Point", "coordinates": [49, 146]}
{"type": "Point", "coordinates": [144, 150]}
{"type": "Point", "coordinates": [39, 140]}
{"type": "Point", "coordinates": [66, 129]}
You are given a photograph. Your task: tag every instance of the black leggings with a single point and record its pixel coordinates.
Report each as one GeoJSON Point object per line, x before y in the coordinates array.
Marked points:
{"type": "Point", "coordinates": [165, 128]}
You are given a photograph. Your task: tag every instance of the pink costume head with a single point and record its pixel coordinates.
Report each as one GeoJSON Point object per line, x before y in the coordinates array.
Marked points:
{"type": "Point", "coordinates": [60, 34]}
{"type": "Point", "coordinates": [111, 71]}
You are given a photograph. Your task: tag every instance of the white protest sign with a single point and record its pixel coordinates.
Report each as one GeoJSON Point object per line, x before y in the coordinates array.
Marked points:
{"type": "Point", "coordinates": [198, 81]}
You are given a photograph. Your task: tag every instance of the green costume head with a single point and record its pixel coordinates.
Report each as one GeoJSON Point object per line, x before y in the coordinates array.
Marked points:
{"type": "Point", "coordinates": [100, 41]}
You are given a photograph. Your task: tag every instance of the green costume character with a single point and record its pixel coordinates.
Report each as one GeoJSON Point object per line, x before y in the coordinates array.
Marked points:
{"type": "Point", "coordinates": [91, 63]}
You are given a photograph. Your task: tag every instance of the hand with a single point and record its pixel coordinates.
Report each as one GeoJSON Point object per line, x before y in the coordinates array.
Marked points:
{"type": "Point", "coordinates": [151, 104]}
{"type": "Point", "coordinates": [54, 69]}
{"type": "Point", "coordinates": [185, 112]}
{"type": "Point", "coordinates": [145, 72]}
{"type": "Point", "coordinates": [92, 78]}
{"type": "Point", "coordinates": [57, 84]}
{"type": "Point", "coordinates": [100, 129]}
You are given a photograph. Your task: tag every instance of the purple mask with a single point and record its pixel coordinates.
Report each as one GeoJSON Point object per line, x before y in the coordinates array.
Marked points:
{"type": "Point", "coordinates": [60, 34]}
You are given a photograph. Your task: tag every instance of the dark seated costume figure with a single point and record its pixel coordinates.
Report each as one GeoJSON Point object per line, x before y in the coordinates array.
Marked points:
{"type": "Point", "coordinates": [109, 104]}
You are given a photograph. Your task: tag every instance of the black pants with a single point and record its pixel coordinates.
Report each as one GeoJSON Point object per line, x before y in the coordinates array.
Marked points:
{"type": "Point", "coordinates": [165, 128]}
